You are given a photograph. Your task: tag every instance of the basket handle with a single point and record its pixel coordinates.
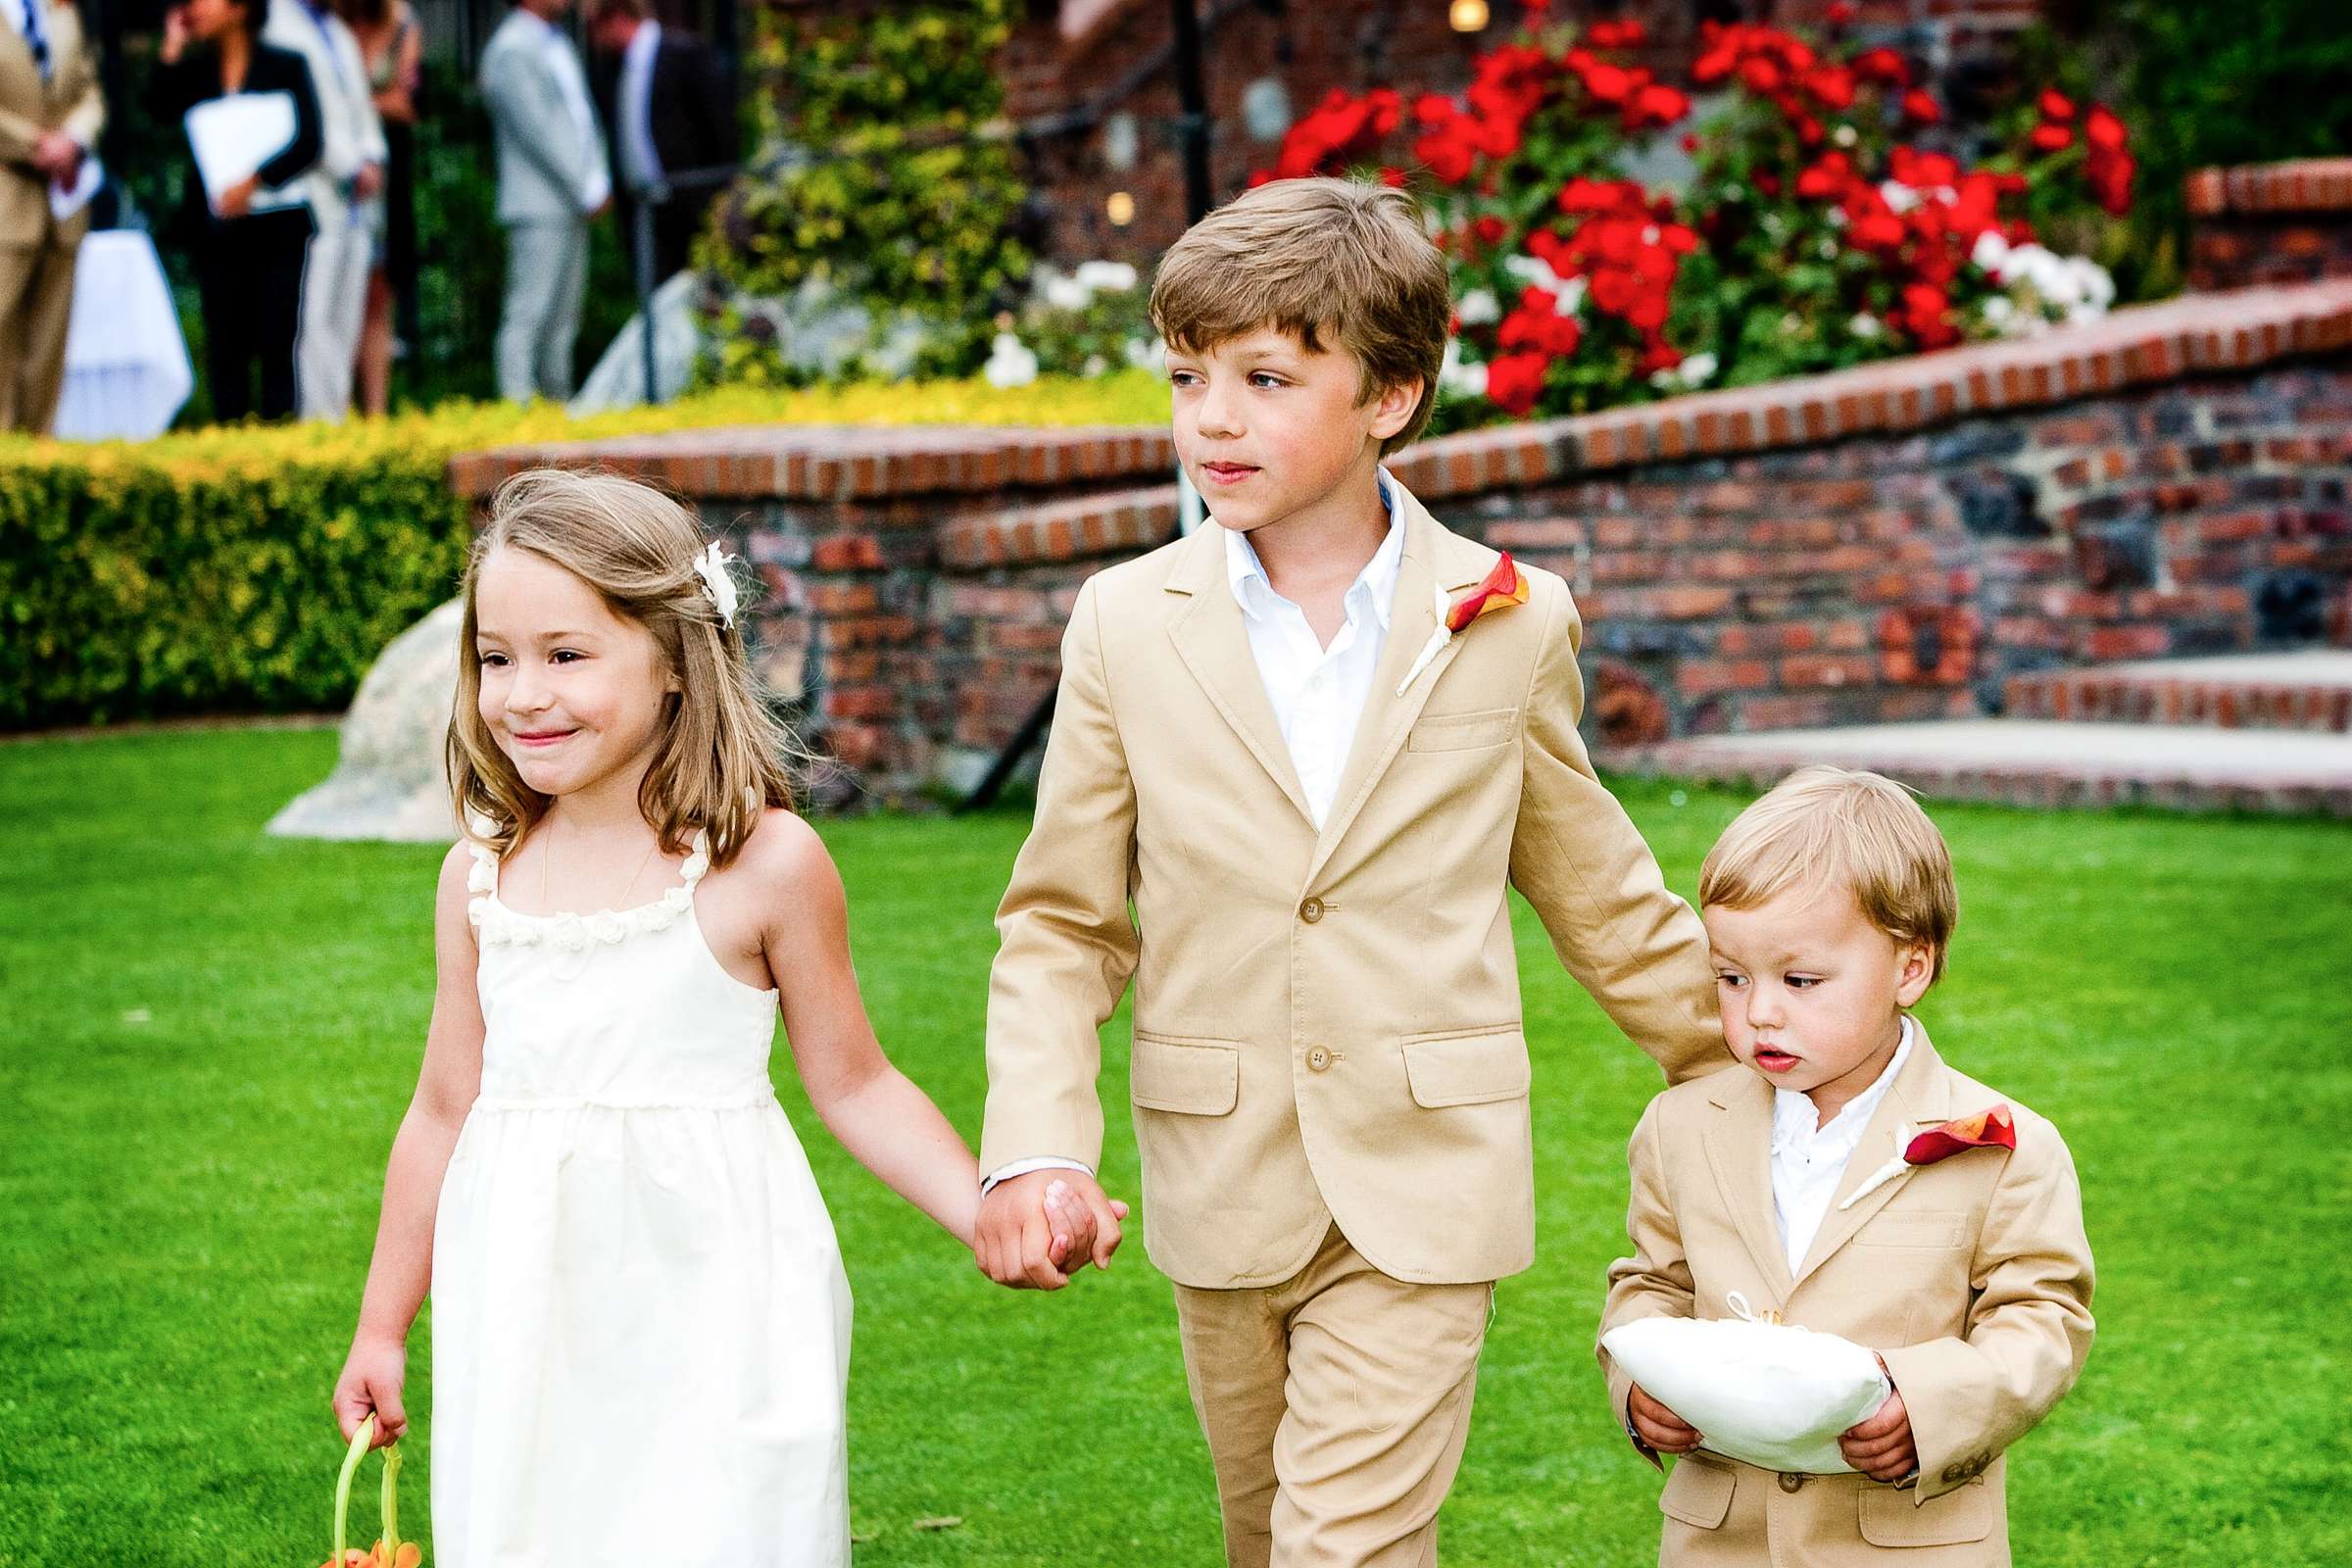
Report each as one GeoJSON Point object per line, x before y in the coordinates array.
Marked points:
{"type": "Point", "coordinates": [352, 1456]}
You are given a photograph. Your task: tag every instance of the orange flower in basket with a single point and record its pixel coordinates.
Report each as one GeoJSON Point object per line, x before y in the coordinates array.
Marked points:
{"type": "Point", "coordinates": [1499, 589]}
{"type": "Point", "coordinates": [409, 1556]}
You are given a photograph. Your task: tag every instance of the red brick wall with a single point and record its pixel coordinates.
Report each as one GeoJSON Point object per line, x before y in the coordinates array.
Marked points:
{"type": "Point", "coordinates": [2273, 223]}
{"type": "Point", "coordinates": [1892, 542]}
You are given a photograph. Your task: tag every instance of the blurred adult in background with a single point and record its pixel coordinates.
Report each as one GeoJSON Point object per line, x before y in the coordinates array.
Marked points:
{"type": "Point", "coordinates": [392, 47]}
{"type": "Point", "coordinates": [50, 113]}
{"type": "Point", "coordinates": [349, 176]}
{"type": "Point", "coordinates": [248, 263]}
{"type": "Point", "coordinates": [551, 183]}
{"type": "Point", "coordinates": [666, 101]}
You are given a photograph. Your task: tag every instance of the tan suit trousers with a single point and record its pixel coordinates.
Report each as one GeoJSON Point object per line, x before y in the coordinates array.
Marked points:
{"type": "Point", "coordinates": [36, 301]}
{"type": "Point", "coordinates": [1336, 1405]}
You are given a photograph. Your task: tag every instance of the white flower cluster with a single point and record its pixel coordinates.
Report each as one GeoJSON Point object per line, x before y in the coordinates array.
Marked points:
{"type": "Point", "coordinates": [1075, 291]}
{"type": "Point", "coordinates": [1458, 375]}
{"type": "Point", "coordinates": [2070, 288]}
{"type": "Point", "coordinates": [1695, 371]}
{"type": "Point", "coordinates": [1013, 363]}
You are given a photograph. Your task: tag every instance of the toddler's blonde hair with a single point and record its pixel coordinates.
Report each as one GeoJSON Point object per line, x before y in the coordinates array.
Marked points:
{"type": "Point", "coordinates": [1824, 826]}
{"type": "Point", "coordinates": [720, 756]}
{"type": "Point", "coordinates": [1305, 257]}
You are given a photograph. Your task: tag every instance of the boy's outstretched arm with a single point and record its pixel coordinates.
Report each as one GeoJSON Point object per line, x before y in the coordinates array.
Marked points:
{"type": "Point", "coordinates": [1068, 948]}
{"type": "Point", "coordinates": [1583, 865]}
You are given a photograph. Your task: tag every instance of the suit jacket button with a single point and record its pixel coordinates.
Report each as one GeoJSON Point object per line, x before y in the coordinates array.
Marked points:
{"type": "Point", "coordinates": [1311, 910]}
{"type": "Point", "coordinates": [1790, 1481]}
{"type": "Point", "coordinates": [1318, 1058]}
{"type": "Point", "coordinates": [1955, 1472]}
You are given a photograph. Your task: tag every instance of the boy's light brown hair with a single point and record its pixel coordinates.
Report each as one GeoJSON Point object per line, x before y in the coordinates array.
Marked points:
{"type": "Point", "coordinates": [1829, 826]}
{"type": "Point", "coordinates": [721, 756]}
{"type": "Point", "coordinates": [1329, 261]}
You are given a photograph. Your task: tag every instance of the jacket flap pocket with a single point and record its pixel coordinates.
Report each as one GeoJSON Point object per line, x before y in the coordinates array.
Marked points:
{"type": "Point", "coordinates": [1892, 1518]}
{"type": "Point", "coordinates": [1462, 732]}
{"type": "Point", "coordinates": [1193, 1077]}
{"type": "Point", "coordinates": [1699, 1493]}
{"type": "Point", "coordinates": [1921, 1229]}
{"type": "Point", "coordinates": [1467, 1067]}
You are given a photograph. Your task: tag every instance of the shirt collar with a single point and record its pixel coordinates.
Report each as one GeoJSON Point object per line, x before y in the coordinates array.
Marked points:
{"type": "Point", "coordinates": [1248, 575]}
{"type": "Point", "coordinates": [1795, 1119]}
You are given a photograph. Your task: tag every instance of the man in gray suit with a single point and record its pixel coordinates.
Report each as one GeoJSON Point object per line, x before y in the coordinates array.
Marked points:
{"type": "Point", "coordinates": [553, 181]}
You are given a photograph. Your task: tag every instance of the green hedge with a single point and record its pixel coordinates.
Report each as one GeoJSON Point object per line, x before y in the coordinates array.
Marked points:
{"type": "Point", "coordinates": [259, 570]}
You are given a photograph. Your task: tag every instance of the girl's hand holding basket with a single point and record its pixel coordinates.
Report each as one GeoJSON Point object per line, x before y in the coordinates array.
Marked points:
{"type": "Point", "coordinates": [389, 1550]}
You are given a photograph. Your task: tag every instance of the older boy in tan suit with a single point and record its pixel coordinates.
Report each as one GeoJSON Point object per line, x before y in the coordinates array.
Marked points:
{"type": "Point", "coordinates": [1292, 814]}
{"type": "Point", "coordinates": [50, 114]}
{"type": "Point", "coordinates": [1829, 905]}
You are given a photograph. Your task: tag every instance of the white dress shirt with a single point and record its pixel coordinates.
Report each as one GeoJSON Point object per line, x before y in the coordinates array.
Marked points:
{"type": "Point", "coordinates": [640, 161]}
{"type": "Point", "coordinates": [1809, 1159]}
{"type": "Point", "coordinates": [1318, 693]}
{"type": "Point", "coordinates": [595, 183]}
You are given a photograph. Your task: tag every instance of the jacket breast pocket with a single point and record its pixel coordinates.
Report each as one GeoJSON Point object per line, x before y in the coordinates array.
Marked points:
{"type": "Point", "coordinates": [1924, 1229]}
{"type": "Point", "coordinates": [1467, 1067]}
{"type": "Point", "coordinates": [1891, 1518]}
{"type": "Point", "coordinates": [1188, 1076]}
{"type": "Point", "coordinates": [1699, 1493]}
{"type": "Point", "coordinates": [1463, 732]}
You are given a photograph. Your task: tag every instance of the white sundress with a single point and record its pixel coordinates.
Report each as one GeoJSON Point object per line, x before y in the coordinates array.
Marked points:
{"type": "Point", "coordinates": [641, 1326]}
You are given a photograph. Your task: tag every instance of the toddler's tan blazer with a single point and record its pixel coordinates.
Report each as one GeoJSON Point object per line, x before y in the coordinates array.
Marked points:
{"type": "Point", "coordinates": [1971, 1276]}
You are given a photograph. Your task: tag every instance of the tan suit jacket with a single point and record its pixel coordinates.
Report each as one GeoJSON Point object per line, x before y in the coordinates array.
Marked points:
{"type": "Point", "coordinates": [1971, 1276]}
{"type": "Point", "coordinates": [1327, 1024]}
{"type": "Point", "coordinates": [68, 101]}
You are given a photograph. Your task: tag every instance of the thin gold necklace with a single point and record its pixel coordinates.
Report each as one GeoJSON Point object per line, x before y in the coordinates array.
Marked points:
{"type": "Point", "coordinates": [547, 856]}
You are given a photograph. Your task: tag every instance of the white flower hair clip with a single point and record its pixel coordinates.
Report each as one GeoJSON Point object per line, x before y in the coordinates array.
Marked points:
{"type": "Point", "coordinates": [718, 586]}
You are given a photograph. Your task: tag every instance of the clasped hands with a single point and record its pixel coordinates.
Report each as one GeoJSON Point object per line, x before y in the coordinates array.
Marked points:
{"type": "Point", "coordinates": [1038, 1230]}
{"type": "Point", "coordinates": [1879, 1446]}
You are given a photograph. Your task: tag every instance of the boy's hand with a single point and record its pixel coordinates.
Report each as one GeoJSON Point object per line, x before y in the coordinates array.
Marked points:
{"type": "Point", "coordinates": [1658, 1426]}
{"type": "Point", "coordinates": [1880, 1446]}
{"type": "Point", "coordinates": [371, 1378]}
{"type": "Point", "coordinates": [1024, 1242]}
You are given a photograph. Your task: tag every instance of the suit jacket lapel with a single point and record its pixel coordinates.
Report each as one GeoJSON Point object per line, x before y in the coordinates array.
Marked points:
{"type": "Point", "coordinates": [1739, 1140]}
{"type": "Point", "coordinates": [1918, 1094]}
{"type": "Point", "coordinates": [1434, 560]}
{"type": "Point", "coordinates": [1214, 645]}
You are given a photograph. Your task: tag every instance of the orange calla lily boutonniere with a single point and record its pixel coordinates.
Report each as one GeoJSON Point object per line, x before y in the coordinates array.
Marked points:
{"type": "Point", "coordinates": [1499, 589]}
{"type": "Point", "coordinates": [1995, 1128]}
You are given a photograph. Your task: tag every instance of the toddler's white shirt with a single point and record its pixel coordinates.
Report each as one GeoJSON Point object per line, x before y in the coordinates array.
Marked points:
{"type": "Point", "coordinates": [1809, 1161]}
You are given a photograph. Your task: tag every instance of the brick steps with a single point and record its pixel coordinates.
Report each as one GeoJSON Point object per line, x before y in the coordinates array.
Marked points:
{"type": "Point", "coordinates": [2038, 762]}
{"type": "Point", "coordinates": [2298, 690]}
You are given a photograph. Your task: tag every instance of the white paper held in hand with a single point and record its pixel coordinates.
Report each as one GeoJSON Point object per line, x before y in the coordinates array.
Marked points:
{"type": "Point", "coordinates": [1764, 1393]}
{"type": "Point", "coordinates": [234, 135]}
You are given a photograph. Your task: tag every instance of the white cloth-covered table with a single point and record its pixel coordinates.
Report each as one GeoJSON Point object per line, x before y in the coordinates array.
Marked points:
{"type": "Point", "coordinates": [126, 366]}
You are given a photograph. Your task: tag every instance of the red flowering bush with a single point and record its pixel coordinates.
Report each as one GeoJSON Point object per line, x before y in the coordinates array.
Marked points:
{"type": "Point", "coordinates": [1815, 230]}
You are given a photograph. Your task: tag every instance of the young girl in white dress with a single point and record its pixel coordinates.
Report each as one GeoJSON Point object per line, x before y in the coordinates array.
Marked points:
{"type": "Point", "coordinates": [641, 1326]}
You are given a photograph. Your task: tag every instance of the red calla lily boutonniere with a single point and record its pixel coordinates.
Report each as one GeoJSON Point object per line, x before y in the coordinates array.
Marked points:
{"type": "Point", "coordinates": [1499, 589]}
{"type": "Point", "coordinates": [1995, 1128]}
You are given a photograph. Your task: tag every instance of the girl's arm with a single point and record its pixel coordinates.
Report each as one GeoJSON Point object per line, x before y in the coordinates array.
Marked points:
{"type": "Point", "coordinates": [887, 1123]}
{"type": "Point", "coordinates": [403, 1266]}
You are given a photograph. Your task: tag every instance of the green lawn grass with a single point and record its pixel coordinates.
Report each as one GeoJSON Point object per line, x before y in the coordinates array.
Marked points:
{"type": "Point", "coordinates": [208, 1038]}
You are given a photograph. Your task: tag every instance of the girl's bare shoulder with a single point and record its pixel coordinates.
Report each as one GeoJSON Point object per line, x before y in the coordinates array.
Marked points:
{"type": "Point", "coordinates": [784, 857]}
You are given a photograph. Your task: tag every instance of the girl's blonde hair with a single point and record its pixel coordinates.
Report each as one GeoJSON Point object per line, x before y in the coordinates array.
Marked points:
{"type": "Point", "coordinates": [720, 756]}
